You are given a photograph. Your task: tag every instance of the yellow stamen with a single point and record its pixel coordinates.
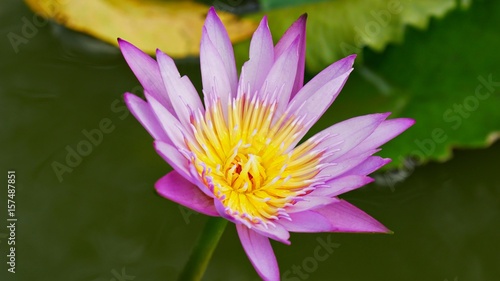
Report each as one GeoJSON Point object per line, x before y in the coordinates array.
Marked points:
{"type": "Point", "coordinates": [247, 158]}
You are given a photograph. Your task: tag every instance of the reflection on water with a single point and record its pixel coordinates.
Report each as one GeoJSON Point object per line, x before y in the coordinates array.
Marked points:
{"type": "Point", "coordinates": [100, 219]}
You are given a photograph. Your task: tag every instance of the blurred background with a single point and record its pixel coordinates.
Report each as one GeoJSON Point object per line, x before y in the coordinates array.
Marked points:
{"type": "Point", "coordinates": [87, 208]}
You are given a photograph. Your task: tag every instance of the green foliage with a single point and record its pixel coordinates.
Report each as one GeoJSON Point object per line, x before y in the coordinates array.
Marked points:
{"type": "Point", "coordinates": [274, 4]}
{"type": "Point", "coordinates": [339, 28]}
{"type": "Point", "coordinates": [446, 78]}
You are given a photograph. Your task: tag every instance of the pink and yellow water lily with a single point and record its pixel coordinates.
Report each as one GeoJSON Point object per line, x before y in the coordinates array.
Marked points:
{"type": "Point", "coordinates": [238, 154]}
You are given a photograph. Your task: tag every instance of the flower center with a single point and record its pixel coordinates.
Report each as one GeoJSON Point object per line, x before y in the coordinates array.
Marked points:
{"type": "Point", "coordinates": [244, 173]}
{"type": "Point", "coordinates": [244, 156]}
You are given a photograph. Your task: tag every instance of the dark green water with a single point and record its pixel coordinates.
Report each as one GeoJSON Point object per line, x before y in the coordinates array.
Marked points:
{"type": "Point", "coordinates": [102, 220]}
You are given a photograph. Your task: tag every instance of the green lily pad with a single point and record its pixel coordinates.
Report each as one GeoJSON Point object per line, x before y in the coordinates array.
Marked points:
{"type": "Point", "coordinates": [339, 28]}
{"type": "Point", "coordinates": [449, 83]}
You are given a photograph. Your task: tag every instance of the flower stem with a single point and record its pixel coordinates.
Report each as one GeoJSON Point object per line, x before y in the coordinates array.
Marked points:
{"type": "Point", "coordinates": [203, 250]}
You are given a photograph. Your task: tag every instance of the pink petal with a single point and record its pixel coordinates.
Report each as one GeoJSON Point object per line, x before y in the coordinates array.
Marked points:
{"type": "Point", "coordinates": [175, 187]}
{"type": "Point", "coordinates": [255, 70]}
{"type": "Point", "coordinates": [328, 74]}
{"type": "Point", "coordinates": [169, 123]}
{"type": "Point", "coordinates": [310, 202]}
{"type": "Point", "coordinates": [345, 217]}
{"type": "Point", "coordinates": [344, 166]}
{"type": "Point", "coordinates": [370, 165]}
{"type": "Point", "coordinates": [147, 71]}
{"type": "Point", "coordinates": [386, 131]}
{"type": "Point", "coordinates": [216, 83]}
{"type": "Point", "coordinates": [221, 209]}
{"type": "Point", "coordinates": [313, 101]}
{"type": "Point", "coordinates": [279, 81]}
{"type": "Point", "coordinates": [307, 221]}
{"type": "Point", "coordinates": [143, 112]}
{"type": "Point", "coordinates": [296, 30]}
{"type": "Point", "coordinates": [259, 251]}
{"type": "Point", "coordinates": [179, 163]}
{"type": "Point", "coordinates": [181, 91]}
{"type": "Point", "coordinates": [341, 185]}
{"type": "Point", "coordinates": [346, 135]}
{"type": "Point", "coordinates": [275, 232]}
{"type": "Point", "coordinates": [217, 33]}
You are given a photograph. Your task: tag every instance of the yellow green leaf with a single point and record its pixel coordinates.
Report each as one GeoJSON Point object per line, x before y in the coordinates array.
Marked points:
{"type": "Point", "coordinates": [174, 27]}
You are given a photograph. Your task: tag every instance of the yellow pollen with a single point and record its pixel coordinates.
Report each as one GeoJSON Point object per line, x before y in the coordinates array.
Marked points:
{"type": "Point", "coordinates": [246, 158]}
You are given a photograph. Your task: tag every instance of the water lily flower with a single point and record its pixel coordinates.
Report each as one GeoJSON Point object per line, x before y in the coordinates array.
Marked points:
{"type": "Point", "coordinates": [237, 155]}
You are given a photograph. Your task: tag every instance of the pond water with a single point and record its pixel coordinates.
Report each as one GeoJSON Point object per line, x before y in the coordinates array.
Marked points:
{"type": "Point", "coordinates": [100, 218]}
